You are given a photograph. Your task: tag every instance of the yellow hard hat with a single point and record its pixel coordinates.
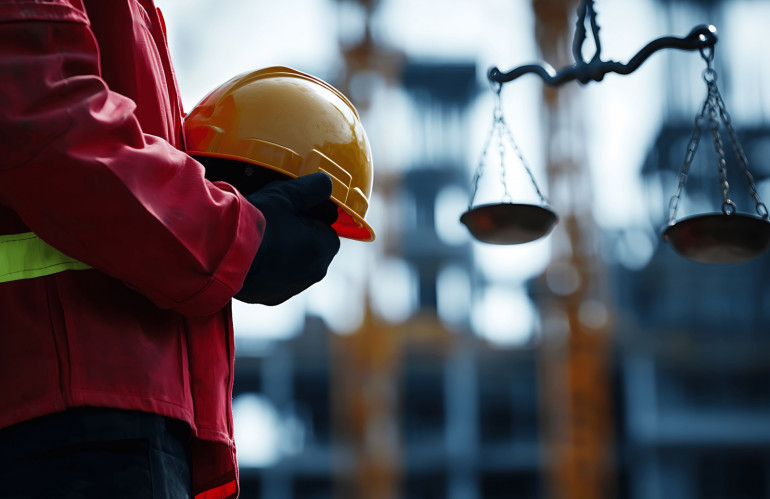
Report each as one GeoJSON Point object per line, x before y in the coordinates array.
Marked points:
{"type": "Point", "coordinates": [290, 123]}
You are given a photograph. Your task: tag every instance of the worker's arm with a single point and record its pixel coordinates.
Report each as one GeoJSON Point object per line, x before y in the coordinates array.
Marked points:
{"type": "Point", "coordinates": [81, 173]}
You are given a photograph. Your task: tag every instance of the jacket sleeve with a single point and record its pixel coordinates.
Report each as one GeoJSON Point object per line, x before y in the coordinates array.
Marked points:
{"type": "Point", "coordinates": [80, 172]}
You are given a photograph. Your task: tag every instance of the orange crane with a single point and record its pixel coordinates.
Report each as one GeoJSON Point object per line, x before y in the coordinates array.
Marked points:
{"type": "Point", "coordinates": [365, 363]}
{"type": "Point", "coordinates": [575, 375]}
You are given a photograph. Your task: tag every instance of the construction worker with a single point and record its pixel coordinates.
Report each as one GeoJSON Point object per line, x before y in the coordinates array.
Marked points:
{"type": "Point", "coordinates": [119, 259]}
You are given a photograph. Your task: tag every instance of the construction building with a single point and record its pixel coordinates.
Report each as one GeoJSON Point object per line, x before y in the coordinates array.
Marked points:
{"type": "Point", "coordinates": [644, 375]}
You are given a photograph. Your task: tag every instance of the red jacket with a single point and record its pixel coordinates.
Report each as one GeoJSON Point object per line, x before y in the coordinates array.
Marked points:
{"type": "Point", "coordinates": [91, 163]}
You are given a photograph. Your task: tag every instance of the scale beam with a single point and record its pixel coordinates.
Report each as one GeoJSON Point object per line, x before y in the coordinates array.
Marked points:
{"type": "Point", "coordinates": [699, 38]}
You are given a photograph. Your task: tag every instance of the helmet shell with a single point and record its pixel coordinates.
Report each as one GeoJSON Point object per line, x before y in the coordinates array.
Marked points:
{"type": "Point", "coordinates": [294, 124]}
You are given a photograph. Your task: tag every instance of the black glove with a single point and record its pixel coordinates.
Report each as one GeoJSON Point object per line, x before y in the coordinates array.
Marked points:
{"type": "Point", "coordinates": [298, 243]}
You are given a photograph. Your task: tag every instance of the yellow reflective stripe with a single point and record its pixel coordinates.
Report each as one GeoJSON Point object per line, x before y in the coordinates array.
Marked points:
{"type": "Point", "coordinates": [25, 256]}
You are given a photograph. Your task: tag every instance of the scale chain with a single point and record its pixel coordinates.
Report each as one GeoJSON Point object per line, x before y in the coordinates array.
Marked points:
{"type": "Point", "coordinates": [692, 147]}
{"type": "Point", "coordinates": [480, 165]}
{"type": "Point", "coordinates": [743, 162]}
{"type": "Point", "coordinates": [728, 207]}
{"type": "Point", "coordinates": [516, 149]}
{"type": "Point", "coordinates": [714, 110]}
{"type": "Point", "coordinates": [500, 127]}
{"type": "Point", "coordinates": [500, 123]}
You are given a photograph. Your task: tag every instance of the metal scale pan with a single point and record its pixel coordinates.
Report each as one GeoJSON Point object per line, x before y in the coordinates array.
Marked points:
{"type": "Point", "coordinates": [509, 223]}
{"type": "Point", "coordinates": [719, 238]}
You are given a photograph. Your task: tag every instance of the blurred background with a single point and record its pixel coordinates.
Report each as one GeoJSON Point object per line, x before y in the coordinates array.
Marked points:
{"type": "Point", "coordinates": [593, 363]}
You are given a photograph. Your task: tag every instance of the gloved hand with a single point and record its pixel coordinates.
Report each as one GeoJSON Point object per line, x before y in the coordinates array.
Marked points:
{"type": "Point", "coordinates": [298, 243]}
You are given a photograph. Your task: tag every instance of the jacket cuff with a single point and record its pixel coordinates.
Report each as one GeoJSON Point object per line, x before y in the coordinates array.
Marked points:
{"type": "Point", "coordinates": [229, 276]}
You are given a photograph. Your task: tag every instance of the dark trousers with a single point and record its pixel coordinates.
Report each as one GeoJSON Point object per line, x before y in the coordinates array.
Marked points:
{"type": "Point", "coordinates": [96, 452]}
